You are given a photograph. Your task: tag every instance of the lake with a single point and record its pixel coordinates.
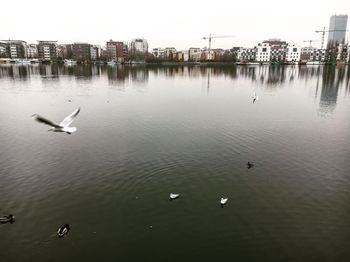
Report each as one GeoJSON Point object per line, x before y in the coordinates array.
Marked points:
{"type": "Point", "coordinates": [147, 131]}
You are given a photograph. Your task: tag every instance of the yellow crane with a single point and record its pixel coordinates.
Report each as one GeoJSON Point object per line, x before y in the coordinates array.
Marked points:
{"type": "Point", "coordinates": [210, 37]}
{"type": "Point", "coordinates": [324, 31]}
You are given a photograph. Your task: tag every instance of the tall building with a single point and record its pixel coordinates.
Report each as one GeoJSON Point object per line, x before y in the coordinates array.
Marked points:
{"type": "Point", "coordinates": [337, 26]}
{"type": "Point", "coordinates": [47, 50]}
{"type": "Point", "coordinates": [139, 45]}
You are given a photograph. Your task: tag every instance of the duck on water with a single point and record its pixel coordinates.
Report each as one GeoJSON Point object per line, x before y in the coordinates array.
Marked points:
{"type": "Point", "coordinates": [63, 230]}
{"type": "Point", "coordinates": [7, 219]}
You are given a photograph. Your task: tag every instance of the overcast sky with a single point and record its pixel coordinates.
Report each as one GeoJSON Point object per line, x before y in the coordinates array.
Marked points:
{"type": "Point", "coordinates": [180, 24]}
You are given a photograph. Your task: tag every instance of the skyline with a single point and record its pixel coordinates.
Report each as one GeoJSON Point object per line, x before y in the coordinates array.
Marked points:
{"type": "Point", "coordinates": [181, 25]}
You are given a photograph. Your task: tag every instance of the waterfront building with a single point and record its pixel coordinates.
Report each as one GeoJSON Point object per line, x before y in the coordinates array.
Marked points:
{"type": "Point", "coordinates": [319, 55]}
{"type": "Point", "coordinates": [337, 28]}
{"type": "Point", "coordinates": [183, 56]}
{"type": "Point", "coordinates": [342, 53]}
{"type": "Point", "coordinates": [293, 53]}
{"type": "Point", "coordinates": [195, 54]}
{"type": "Point", "coordinates": [263, 52]}
{"type": "Point", "coordinates": [139, 45]}
{"type": "Point", "coordinates": [278, 49]}
{"type": "Point", "coordinates": [158, 52]}
{"type": "Point", "coordinates": [32, 51]}
{"type": "Point", "coordinates": [170, 53]}
{"type": "Point", "coordinates": [82, 52]}
{"type": "Point", "coordinates": [95, 52]}
{"type": "Point", "coordinates": [15, 48]}
{"type": "Point", "coordinates": [244, 54]}
{"type": "Point", "coordinates": [3, 49]}
{"type": "Point", "coordinates": [116, 50]}
{"type": "Point", "coordinates": [306, 53]}
{"type": "Point", "coordinates": [47, 50]}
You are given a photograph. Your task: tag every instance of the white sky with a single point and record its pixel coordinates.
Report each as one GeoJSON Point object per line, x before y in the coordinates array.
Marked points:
{"type": "Point", "coordinates": [180, 24]}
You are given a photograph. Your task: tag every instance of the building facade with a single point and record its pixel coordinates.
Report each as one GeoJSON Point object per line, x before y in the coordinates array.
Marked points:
{"type": "Point", "coordinates": [293, 53]}
{"type": "Point", "coordinates": [32, 51]}
{"type": "Point", "coordinates": [82, 52]}
{"type": "Point", "coordinates": [263, 52]}
{"type": "Point", "coordinates": [116, 51]}
{"type": "Point", "coordinates": [139, 45]}
{"type": "Point", "coordinates": [158, 52]}
{"type": "Point", "coordinates": [14, 48]}
{"type": "Point", "coordinates": [170, 53]}
{"type": "Point", "coordinates": [47, 50]}
{"type": "Point", "coordinates": [245, 54]}
{"type": "Point", "coordinates": [337, 29]}
{"type": "Point", "coordinates": [195, 54]}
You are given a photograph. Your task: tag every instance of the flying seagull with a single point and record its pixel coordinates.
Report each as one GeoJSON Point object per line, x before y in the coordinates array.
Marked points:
{"type": "Point", "coordinates": [223, 201]}
{"type": "Point", "coordinates": [174, 196]}
{"type": "Point", "coordinates": [255, 97]}
{"type": "Point", "coordinates": [61, 127]}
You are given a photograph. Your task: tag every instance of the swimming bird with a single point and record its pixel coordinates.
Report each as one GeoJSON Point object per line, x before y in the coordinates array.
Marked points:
{"type": "Point", "coordinates": [63, 230]}
{"type": "Point", "coordinates": [255, 97]}
{"type": "Point", "coordinates": [174, 196]}
{"type": "Point", "coordinates": [61, 127]}
{"type": "Point", "coordinates": [223, 201]}
{"type": "Point", "coordinates": [5, 219]}
{"type": "Point", "coordinates": [250, 165]}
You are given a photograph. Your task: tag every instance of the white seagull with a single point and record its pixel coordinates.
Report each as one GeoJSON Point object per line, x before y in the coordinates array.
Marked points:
{"type": "Point", "coordinates": [61, 127]}
{"type": "Point", "coordinates": [223, 201]}
{"type": "Point", "coordinates": [174, 196]}
{"type": "Point", "coordinates": [255, 97]}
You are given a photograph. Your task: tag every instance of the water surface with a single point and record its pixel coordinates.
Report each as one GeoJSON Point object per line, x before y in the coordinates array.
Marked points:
{"type": "Point", "coordinates": [144, 132]}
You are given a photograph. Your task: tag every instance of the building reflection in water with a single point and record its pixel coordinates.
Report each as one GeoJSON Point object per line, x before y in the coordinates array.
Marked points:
{"type": "Point", "coordinates": [326, 79]}
{"type": "Point", "coordinates": [332, 78]}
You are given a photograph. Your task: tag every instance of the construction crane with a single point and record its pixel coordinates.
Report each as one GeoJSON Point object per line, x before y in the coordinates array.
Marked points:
{"type": "Point", "coordinates": [210, 37]}
{"type": "Point", "coordinates": [324, 31]}
{"type": "Point", "coordinates": [310, 41]}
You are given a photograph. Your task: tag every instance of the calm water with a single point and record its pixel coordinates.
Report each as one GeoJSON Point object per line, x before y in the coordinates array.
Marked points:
{"type": "Point", "coordinates": [144, 132]}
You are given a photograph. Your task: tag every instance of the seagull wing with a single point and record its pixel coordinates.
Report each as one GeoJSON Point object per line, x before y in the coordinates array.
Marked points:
{"type": "Point", "coordinates": [43, 120]}
{"type": "Point", "coordinates": [69, 119]}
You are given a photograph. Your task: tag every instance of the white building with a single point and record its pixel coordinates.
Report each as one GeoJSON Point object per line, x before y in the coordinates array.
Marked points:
{"type": "Point", "coordinates": [263, 52]}
{"type": "Point", "coordinates": [293, 53]}
{"type": "Point", "coordinates": [158, 52]}
{"type": "Point", "coordinates": [139, 45]}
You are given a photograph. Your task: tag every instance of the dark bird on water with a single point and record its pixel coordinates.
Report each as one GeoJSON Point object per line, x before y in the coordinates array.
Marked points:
{"type": "Point", "coordinates": [63, 230]}
{"type": "Point", "coordinates": [250, 165]}
{"type": "Point", "coordinates": [6, 219]}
